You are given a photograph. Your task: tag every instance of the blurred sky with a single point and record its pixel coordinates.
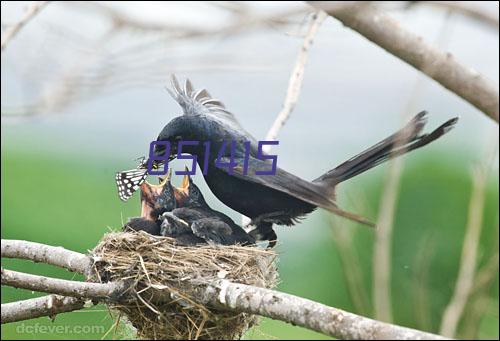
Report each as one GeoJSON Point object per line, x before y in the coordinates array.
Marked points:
{"type": "Point", "coordinates": [354, 93]}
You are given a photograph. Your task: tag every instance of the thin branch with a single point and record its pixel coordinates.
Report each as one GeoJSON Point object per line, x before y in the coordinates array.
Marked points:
{"type": "Point", "coordinates": [12, 31]}
{"type": "Point", "coordinates": [294, 86]}
{"type": "Point", "coordinates": [62, 286]}
{"type": "Point", "coordinates": [480, 296]}
{"type": "Point", "coordinates": [486, 274]}
{"type": "Point", "coordinates": [351, 267]}
{"type": "Point", "coordinates": [220, 294]}
{"type": "Point", "coordinates": [249, 20]}
{"type": "Point", "coordinates": [41, 253]}
{"type": "Point", "coordinates": [49, 305]}
{"type": "Point", "coordinates": [465, 280]}
{"type": "Point", "coordinates": [389, 34]}
{"type": "Point", "coordinates": [472, 11]}
{"type": "Point", "coordinates": [383, 243]}
{"type": "Point", "coordinates": [420, 282]}
{"type": "Point", "coordinates": [296, 78]}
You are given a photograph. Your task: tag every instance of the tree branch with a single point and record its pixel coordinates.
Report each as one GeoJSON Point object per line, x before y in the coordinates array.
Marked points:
{"type": "Point", "coordinates": [294, 86]}
{"type": "Point", "coordinates": [388, 33]}
{"type": "Point", "coordinates": [220, 294]}
{"type": "Point", "coordinates": [472, 11]}
{"type": "Point", "coordinates": [32, 11]}
{"type": "Point", "coordinates": [76, 289]}
{"type": "Point", "coordinates": [41, 253]}
{"type": "Point", "coordinates": [306, 313]}
{"type": "Point", "coordinates": [465, 280]}
{"type": "Point", "coordinates": [296, 78]}
{"type": "Point", "coordinates": [49, 305]}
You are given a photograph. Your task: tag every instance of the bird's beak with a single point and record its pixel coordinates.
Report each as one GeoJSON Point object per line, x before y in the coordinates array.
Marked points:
{"type": "Point", "coordinates": [150, 194]}
{"type": "Point", "coordinates": [162, 181]}
{"type": "Point", "coordinates": [185, 183]}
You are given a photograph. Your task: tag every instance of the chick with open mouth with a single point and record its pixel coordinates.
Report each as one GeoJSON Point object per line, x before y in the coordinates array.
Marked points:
{"type": "Point", "coordinates": [182, 213]}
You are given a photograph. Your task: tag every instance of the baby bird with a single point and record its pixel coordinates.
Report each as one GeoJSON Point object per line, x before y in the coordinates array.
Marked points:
{"type": "Point", "coordinates": [182, 213]}
{"type": "Point", "coordinates": [213, 226]}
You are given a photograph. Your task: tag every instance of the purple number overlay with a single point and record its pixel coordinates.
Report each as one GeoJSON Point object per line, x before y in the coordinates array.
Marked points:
{"type": "Point", "coordinates": [262, 156]}
{"type": "Point", "coordinates": [223, 161]}
{"type": "Point", "coordinates": [153, 157]}
{"type": "Point", "coordinates": [187, 157]}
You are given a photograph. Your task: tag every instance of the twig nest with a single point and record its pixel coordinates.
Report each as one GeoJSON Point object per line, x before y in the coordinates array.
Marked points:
{"type": "Point", "coordinates": [165, 277]}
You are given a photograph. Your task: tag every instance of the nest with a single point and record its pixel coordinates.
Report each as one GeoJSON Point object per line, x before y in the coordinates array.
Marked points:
{"type": "Point", "coordinates": [165, 277]}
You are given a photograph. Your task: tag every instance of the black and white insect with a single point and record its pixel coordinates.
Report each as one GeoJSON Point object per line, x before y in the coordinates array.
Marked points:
{"type": "Point", "coordinates": [129, 181]}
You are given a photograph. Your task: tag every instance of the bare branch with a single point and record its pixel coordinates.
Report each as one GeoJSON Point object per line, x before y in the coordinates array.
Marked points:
{"type": "Point", "coordinates": [41, 253]}
{"type": "Point", "coordinates": [306, 313]}
{"type": "Point", "coordinates": [465, 280]}
{"type": "Point", "coordinates": [49, 305]}
{"type": "Point", "coordinates": [61, 286]}
{"type": "Point", "coordinates": [479, 300]}
{"type": "Point", "coordinates": [220, 294]}
{"type": "Point", "coordinates": [296, 78]}
{"type": "Point", "coordinates": [351, 267]}
{"type": "Point", "coordinates": [248, 20]}
{"type": "Point", "coordinates": [469, 10]}
{"type": "Point", "coordinates": [382, 246]}
{"type": "Point", "coordinates": [294, 86]}
{"type": "Point", "coordinates": [389, 34]}
{"type": "Point", "coordinates": [486, 274]}
{"type": "Point", "coordinates": [32, 11]}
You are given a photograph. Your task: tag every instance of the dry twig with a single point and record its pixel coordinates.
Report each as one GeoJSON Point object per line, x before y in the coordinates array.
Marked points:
{"type": "Point", "coordinates": [296, 78]}
{"type": "Point", "coordinates": [12, 31]}
{"type": "Point", "coordinates": [470, 10]}
{"type": "Point", "coordinates": [294, 86]}
{"type": "Point", "coordinates": [465, 280]}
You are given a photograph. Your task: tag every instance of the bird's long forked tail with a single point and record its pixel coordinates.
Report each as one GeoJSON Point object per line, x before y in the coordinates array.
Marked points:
{"type": "Point", "coordinates": [403, 141]}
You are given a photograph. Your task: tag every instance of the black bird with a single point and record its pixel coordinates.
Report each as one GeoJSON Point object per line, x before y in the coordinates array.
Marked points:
{"type": "Point", "coordinates": [195, 214]}
{"type": "Point", "coordinates": [267, 199]}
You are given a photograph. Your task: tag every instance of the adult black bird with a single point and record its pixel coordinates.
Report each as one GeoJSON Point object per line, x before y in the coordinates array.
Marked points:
{"type": "Point", "coordinates": [267, 199]}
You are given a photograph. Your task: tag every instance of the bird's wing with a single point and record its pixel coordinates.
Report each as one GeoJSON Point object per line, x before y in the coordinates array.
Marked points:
{"type": "Point", "coordinates": [213, 230]}
{"type": "Point", "coordinates": [290, 184]}
{"type": "Point", "coordinates": [200, 102]}
{"type": "Point", "coordinates": [188, 214]}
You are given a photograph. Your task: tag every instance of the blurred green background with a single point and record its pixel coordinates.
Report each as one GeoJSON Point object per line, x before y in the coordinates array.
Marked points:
{"type": "Point", "coordinates": [73, 202]}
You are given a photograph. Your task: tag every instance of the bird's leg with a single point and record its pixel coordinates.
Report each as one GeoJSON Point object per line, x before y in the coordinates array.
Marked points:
{"type": "Point", "coordinates": [264, 231]}
{"type": "Point", "coordinates": [264, 227]}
